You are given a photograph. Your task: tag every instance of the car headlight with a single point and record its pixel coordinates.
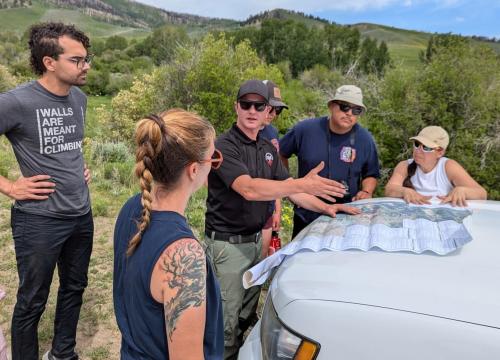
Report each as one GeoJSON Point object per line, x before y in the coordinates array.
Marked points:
{"type": "Point", "coordinates": [280, 342]}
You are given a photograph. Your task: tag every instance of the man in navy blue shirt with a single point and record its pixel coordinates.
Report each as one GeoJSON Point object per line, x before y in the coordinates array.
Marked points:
{"type": "Point", "coordinates": [347, 149]}
{"type": "Point", "coordinates": [270, 133]}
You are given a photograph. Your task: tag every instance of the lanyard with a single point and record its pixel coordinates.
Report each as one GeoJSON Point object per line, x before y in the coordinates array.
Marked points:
{"type": "Point", "coordinates": [352, 139]}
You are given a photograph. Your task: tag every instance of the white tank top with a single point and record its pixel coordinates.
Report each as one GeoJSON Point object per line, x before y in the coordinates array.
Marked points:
{"type": "Point", "coordinates": [433, 183]}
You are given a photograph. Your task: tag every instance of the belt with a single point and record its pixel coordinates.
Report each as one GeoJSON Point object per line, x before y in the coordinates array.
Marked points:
{"type": "Point", "coordinates": [232, 238]}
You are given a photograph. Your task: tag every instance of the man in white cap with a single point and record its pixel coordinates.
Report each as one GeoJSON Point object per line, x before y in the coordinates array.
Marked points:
{"type": "Point", "coordinates": [347, 149]}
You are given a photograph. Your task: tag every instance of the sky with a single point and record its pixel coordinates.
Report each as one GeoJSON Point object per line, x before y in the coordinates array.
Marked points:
{"type": "Point", "coordinates": [465, 17]}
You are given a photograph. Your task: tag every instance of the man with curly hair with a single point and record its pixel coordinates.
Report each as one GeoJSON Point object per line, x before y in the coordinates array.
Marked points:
{"type": "Point", "coordinates": [51, 217]}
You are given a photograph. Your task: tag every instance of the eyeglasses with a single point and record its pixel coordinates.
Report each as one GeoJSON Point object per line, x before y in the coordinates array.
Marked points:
{"type": "Point", "coordinates": [425, 149]}
{"type": "Point", "coordinates": [278, 109]}
{"type": "Point", "coordinates": [216, 159]}
{"type": "Point", "coordinates": [80, 61]}
{"type": "Point", "coordinates": [356, 110]}
{"type": "Point", "coordinates": [257, 105]}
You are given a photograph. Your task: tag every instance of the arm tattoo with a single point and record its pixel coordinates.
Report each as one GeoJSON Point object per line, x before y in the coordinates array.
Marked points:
{"type": "Point", "coordinates": [186, 267]}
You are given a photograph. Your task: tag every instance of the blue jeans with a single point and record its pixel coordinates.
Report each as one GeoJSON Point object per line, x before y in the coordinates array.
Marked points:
{"type": "Point", "coordinates": [40, 243]}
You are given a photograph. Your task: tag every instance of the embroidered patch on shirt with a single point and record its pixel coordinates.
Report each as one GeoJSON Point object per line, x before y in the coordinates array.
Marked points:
{"type": "Point", "coordinates": [269, 159]}
{"type": "Point", "coordinates": [347, 154]}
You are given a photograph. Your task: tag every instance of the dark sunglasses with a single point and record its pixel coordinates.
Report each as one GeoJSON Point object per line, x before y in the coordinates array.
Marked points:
{"type": "Point", "coordinates": [356, 110]}
{"type": "Point", "coordinates": [257, 105]}
{"type": "Point", "coordinates": [426, 149]}
{"type": "Point", "coordinates": [216, 159]}
{"type": "Point", "coordinates": [278, 109]}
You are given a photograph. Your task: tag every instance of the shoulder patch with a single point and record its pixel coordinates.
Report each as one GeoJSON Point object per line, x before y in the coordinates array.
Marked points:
{"type": "Point", "coordinates": [269, 158]}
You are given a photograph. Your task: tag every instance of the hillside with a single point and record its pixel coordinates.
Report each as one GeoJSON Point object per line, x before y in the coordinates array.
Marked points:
{"type": "Point", "coordinates": [19, 19]}
{"type": "Point", "coordinates": [404, 45]}
{"type": "Point", "coordinates": [283, 14]}
{"type": "Point", "coordinates": [101, 18]}
{"type": "Point", "coordinates": [134, 13]}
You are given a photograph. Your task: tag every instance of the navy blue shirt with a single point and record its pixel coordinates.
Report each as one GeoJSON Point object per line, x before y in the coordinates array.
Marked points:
{"type": "Point", "coordinates": [350, 157]}
{"type": "Point", "coordinates": [270, 133]}
{"type": "Point", "coordinates": [140, 317]}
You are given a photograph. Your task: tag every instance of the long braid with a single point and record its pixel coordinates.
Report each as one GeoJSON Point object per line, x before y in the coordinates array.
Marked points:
{"type": "Point", "coordinates": [166, 144]}
{"type": "Point", "coordinates": [412, 168]}
{"type": "Point", "coordinates": [149, 145]}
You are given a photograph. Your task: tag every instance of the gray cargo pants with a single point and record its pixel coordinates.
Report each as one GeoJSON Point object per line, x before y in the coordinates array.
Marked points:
{"type": "Point", "coordinates": [239, 306]}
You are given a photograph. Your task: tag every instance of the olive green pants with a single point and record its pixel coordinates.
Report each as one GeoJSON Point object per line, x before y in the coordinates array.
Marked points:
{"type": "Point", "coordinates": [239, 306]}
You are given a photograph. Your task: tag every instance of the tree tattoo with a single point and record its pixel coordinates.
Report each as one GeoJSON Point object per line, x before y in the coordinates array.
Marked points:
{"type": "Point", "coordinates": [186, 268]}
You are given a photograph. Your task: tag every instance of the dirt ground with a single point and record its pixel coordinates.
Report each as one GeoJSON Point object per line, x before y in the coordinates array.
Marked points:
{"type": "Point", "coordinates": [98, 336]}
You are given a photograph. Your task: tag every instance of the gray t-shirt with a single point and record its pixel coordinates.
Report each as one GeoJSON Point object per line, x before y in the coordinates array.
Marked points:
{"type": "Point", "coordinates": [46, 133]}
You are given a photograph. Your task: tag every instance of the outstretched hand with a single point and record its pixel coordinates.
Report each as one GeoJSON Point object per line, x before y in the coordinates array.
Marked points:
{"type": "Point", "coordinates": [413, 197]}
{"type": "Point", "coordinates": [331, 210]}
{"type": "Point", "coordinates": [456, 197]}
{"type": "Point", "coordinates": [362, 195]}
{"type": "Point", "coordinates": [32, 188]}
{"type": "Point", "coordinates": [323, 187]}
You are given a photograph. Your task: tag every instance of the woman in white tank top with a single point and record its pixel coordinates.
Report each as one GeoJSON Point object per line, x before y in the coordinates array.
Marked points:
{"type": "Point", "coordinates": [430, 174]}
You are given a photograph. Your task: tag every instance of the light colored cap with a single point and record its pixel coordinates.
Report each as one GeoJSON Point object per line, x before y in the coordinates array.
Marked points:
{"type": "Point", "coordinates": [349, 93]}
{"type": "Point", "coordinates": [433, 137]}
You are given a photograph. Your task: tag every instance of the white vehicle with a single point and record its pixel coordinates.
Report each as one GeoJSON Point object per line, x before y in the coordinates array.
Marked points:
{"type": "Point", "coordinates": [379, 305]}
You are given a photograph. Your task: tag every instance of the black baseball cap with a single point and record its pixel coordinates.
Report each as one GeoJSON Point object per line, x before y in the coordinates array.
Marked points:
{"type": "Point", "coordinates": [253, 87]}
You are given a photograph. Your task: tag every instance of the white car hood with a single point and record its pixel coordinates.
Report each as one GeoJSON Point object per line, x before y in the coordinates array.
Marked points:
{"type": "Point", "coordinates": [464, 285]}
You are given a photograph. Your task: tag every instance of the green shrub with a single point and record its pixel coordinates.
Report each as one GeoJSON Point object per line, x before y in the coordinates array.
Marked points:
{"type": "Point", "coordinates": [119, 172]}
{"type": "Point", "coordinates": [99, 207]}
{"type": "Point", "coordinates": [110, 152]}
{"type": "Point", "coordinates": [7, 81]}
{"type": "Point", "coordinates": [203, 77]}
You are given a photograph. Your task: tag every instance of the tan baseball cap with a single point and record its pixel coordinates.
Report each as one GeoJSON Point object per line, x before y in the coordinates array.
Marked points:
{"type": "Point", "coordinates": [274, 94]}
{"type": "Point", "coordinates": [349, 93]}
{"type": "Point", "coordinates": [433, 136]}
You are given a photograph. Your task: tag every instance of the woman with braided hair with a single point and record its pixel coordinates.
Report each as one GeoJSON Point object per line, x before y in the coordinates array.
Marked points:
{"type": "Point", "coordinates": [432, 175]}
{"type": "Point", "coordinates": [166, 297]}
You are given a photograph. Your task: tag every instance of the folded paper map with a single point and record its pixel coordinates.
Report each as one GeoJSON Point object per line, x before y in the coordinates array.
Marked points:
{"type": "Point", "coordinates": [386, 225]}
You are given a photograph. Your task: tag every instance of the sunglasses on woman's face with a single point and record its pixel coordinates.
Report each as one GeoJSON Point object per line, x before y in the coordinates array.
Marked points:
{"type": "Point", "coordinates": [216, 159]}
{"type": "Point", "coordinates": [257, 105]}
{"type": "Point", "coordinates": [425, 149]}
{"type": "Point", "coordinates": [356, 110]}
